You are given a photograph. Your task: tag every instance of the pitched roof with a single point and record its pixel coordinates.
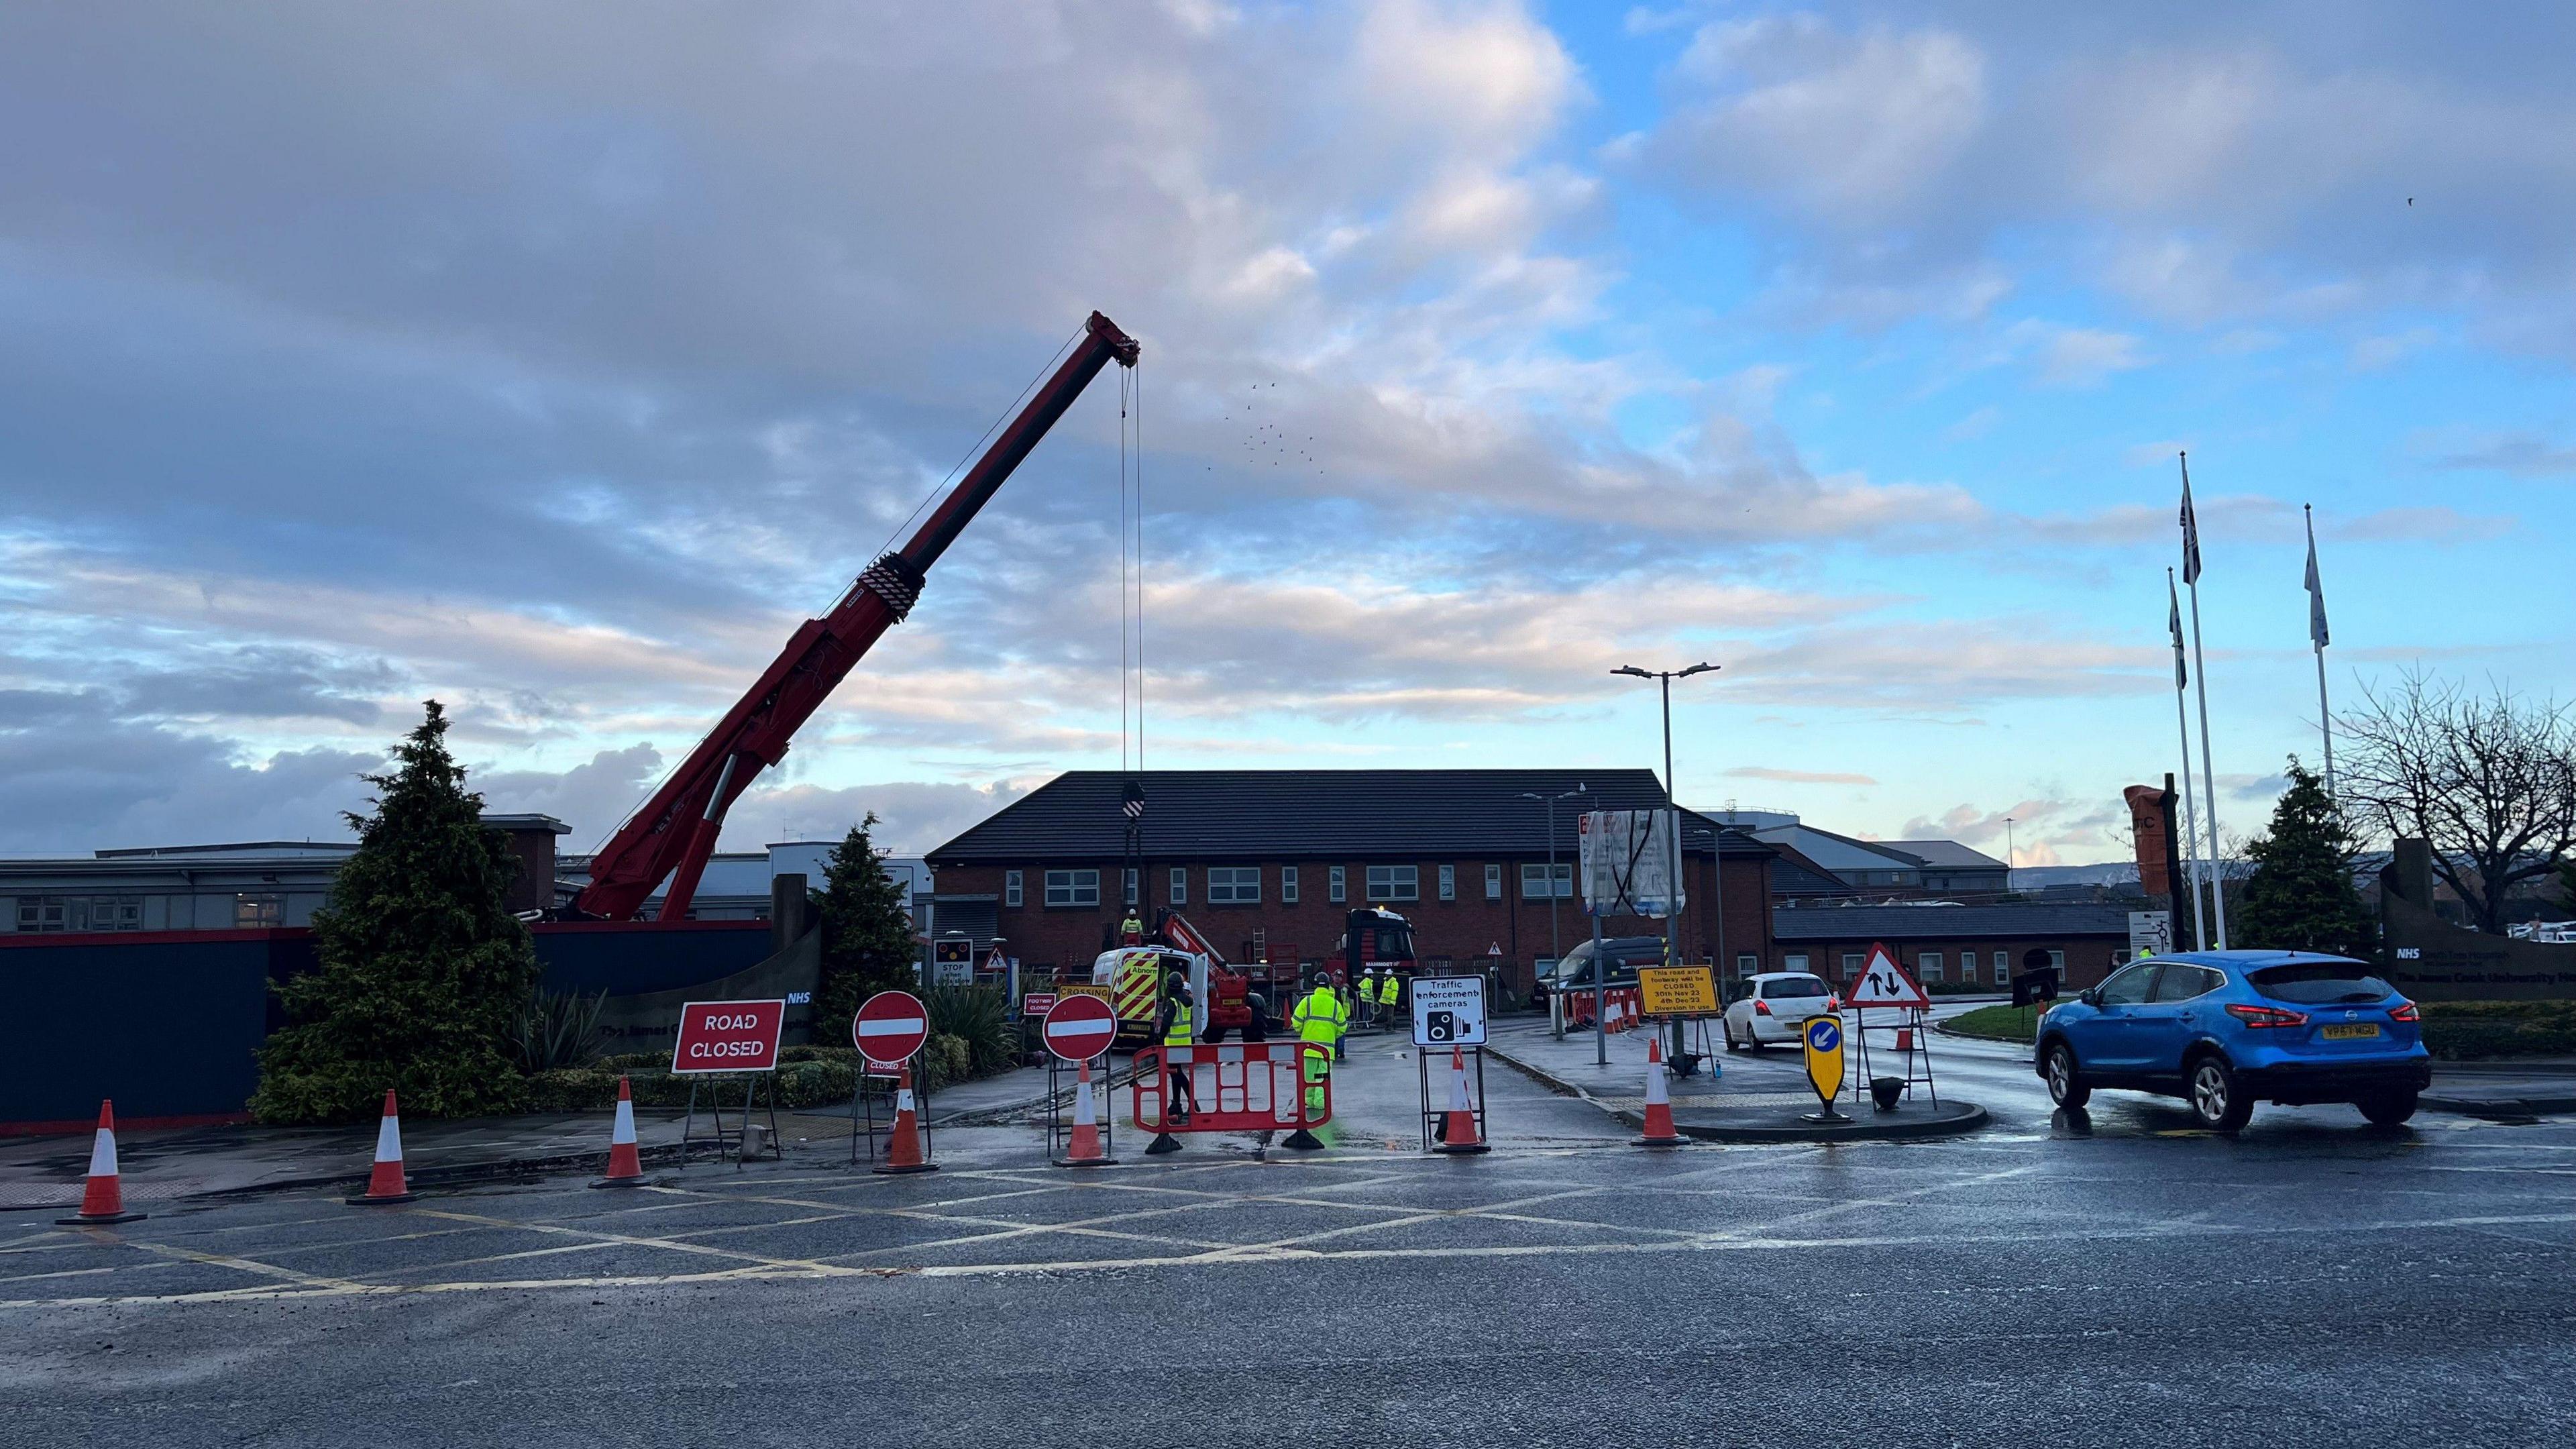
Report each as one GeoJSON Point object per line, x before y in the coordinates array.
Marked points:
{"type": "Point", "coordinates": [1945, 854]}
{"type": "Point", "coordinates": [1902, 923]}
{"type": "Point", "coordinates": [1837, 853]}
{"type": "Point", "coordinates": [1275, 814]}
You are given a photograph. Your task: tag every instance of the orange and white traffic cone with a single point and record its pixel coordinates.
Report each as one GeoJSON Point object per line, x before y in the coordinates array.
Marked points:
{"type": "Point", "coordinates": [903, 1143]}
{"type": "Point", "coordinates": [1659, 1100]}
{"type": "Point", "coordinates": [102, 1201]}
{"type": "Point", "coordinates": [1458, 1133]}
{"type": "Point", "coordinates": [385, 1183]}
{"type": "Point", "coordinates": [625, 1168]}
{"type": "Point", "coordinates": [1082, 1148]}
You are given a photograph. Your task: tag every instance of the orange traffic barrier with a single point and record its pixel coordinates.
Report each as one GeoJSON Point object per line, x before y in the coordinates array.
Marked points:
{"type": "Point", "coordinates": [903, 1144]}
{"type": "Point", "coordinates": [102, 1201]}
{"type": "Point", "coordinates": [1458, 1133]}
{"type": "Point", "coordinates": [1082, 1146]}
{"type": "Point", "coordinates": [1659, 1100]}
{"type": "Point", "coordinates": [385, 1182]}
{"type": "Point", "coordinates": [625, 1168]}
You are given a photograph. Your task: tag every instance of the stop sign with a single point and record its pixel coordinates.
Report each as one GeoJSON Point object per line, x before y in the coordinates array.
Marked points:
{"type": "Point", "coordinates": [890, 1027]}
{"type": "Point", "coordinates": [1079, 1028]}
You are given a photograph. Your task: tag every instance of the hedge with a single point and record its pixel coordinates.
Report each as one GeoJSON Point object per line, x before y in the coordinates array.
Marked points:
{"type": "Point", "coordinates": [2468, 1030]}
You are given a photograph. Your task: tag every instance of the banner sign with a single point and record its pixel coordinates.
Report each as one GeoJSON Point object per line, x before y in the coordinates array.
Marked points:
{"type": "Point", "coordinates": [729, 1036]}
{"type": "Point", "coordinates": [1625, 861]}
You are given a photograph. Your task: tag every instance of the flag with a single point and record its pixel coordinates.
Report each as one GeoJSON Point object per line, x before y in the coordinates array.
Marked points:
{"type": "Point", "coordinates": [2190, 531]}
{"type": "Point", "coordinates": [2316, 591]}
{"type": "Point", "coordinates": [2173, 621]}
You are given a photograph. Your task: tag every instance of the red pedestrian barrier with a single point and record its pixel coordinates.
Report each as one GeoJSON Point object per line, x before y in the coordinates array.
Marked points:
{"type": "Point", "coordinates": [1247, 1087]}
{"type": "Point", "coordinates": [385, 1183]}
{"type": "Point", "coordinates": [103, 1199]}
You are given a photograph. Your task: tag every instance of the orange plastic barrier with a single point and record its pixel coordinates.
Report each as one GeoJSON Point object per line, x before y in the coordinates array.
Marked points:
{"type": "Point", "coordinates": [1234, 1087]}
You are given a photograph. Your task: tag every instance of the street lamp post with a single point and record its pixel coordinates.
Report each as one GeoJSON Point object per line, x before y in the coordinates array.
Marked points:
{"type": "Point", "coordinates": [1673, 889]}
{"type": "Point", "coordinates": [1555, 947]}
{"type": "Point", "coordinates": [2011, 859]}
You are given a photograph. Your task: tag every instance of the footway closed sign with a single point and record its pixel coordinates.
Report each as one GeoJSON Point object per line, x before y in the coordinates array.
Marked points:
{"type": "Point", "coordinates": [729, 1036]}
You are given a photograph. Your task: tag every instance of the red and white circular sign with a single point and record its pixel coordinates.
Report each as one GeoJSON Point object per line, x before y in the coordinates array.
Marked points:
{"type": "Point", "coordinates": [890, 1027]}
{"type": "Point", "coordinates": [1079, 1028]}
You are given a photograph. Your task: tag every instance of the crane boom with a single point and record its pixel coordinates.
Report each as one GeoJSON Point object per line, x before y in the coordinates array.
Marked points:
{"type": "Point", "coordinates": [674, 832]}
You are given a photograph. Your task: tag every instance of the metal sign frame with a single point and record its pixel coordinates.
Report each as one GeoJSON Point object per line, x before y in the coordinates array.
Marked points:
{"type": "Point", "coordinates": [1435, 1120]}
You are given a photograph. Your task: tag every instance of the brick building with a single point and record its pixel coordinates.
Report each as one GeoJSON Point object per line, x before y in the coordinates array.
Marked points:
{"type": "Point", "coordinates": [1951, 944]}
{"type": "Point", "coordinates": [1272, 861]}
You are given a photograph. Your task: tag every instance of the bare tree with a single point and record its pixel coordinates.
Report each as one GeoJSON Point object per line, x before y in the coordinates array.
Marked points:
{"type": "Point", "coordinates": [2488, 778]}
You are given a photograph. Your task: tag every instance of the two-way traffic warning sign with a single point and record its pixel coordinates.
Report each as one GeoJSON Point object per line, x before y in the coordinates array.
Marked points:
{"type": "Point", "coordinates": [1883, 983]}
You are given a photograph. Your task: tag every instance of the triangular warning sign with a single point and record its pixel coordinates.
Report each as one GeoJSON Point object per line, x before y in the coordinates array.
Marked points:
{"type": "Point", "coordinates": [1884, 983]}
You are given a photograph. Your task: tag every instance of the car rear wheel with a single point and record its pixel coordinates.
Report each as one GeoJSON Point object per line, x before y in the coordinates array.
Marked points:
{"type": "Point", "coordinates": [2066, 1086]}
{"type": "Point", "coordinates": [2388, 1109]}
{"type": "Point", "coordinates": [2216, 1098]}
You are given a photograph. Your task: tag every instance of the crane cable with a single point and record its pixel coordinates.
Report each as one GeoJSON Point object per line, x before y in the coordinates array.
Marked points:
{"type": "Point", "coordinates": [1131, 567]}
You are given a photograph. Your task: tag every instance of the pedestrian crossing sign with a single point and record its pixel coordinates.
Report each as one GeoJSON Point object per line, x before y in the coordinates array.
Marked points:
{"type": "Point", "coordinates": [1884, 983]}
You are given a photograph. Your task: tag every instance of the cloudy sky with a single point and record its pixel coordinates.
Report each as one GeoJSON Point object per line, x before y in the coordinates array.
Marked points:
{"type": "Point", "coordinates": [555, 360]}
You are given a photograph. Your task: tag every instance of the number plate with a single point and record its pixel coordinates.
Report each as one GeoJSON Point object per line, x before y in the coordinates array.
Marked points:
{"type": "Point", "coordinates": [2353, 1031]}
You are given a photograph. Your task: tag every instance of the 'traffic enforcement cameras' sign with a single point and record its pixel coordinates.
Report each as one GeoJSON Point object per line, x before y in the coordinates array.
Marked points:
{"type": "Point", "coordinates": [1448, 1011]}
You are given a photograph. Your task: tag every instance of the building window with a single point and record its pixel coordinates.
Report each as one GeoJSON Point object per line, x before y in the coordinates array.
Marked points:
{"type": "Point", "coordinates": [1929, 963]}
{"type": "Point", "coordinates": [2057, 963]}
{"type": "Point", "coordinates": [1395, 882]}
{"type": "Point", "coordinates": [1073, 888]}
{"type": "Point", "coordinates": [256, 912]}
{"type": "Point", "coordinates": [40, 913]}
{"type": "Point", "coordinates": [111, 914]}
{"type": "Point", "coordinates": [1130, 886]}
{"type": "Point", "coordinates": [1748, 964]}
{"type": "Point", "coordinates": [1493, 882]}
{"type": "Point", "coordinates": [1448, 882]}
{"type": "Point", "coordinates": [1854, 963]}
{"type": "Point", "coordinates": [2003, 968]}
{"type": "Point", "coordinates": [1795, 961]}
{"type": "Point", "coordinates": [1234, 885]}
{"type": "Point", "coordinates": [1534, 881]}
{"type": "Point", "coordinates": [2119, 959]}
{"type": "Point", "coordinates": [1180, 888]}
{"type": "Point", "coordinates": [1287, 885]}
{"type": "Point", "coordinates": [1011, 888]}
{"type": "Point", "coordinates": [1334, 887]}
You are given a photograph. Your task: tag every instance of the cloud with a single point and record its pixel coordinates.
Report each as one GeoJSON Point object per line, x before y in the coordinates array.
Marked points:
{"type": "Point", "coordinates": [1797, 777]}
{"type": "Point", "coordinates": [2076, 356]}
{"type": "Point", "coordinates": [2525, 455]}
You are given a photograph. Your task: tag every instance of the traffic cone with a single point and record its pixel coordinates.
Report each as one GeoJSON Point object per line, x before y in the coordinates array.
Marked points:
{"type": "Point", "coordinates": [625, 1168]}
{"type": "Point", "coordinates": [1659, 1100]}
{"type": "Point", "coordinates": [1458, 1134]}
{"type": "Point", "coordinates": [1083, 1149]}
{"type": "Point", "coordinates": [102, 1201]}
{"type": "Point", "coordinates": [903, 1144]}
{"type": "Point", "coordinates": [385, 1184]}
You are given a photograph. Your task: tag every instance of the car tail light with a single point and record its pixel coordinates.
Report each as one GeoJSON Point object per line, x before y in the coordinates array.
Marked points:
{"type": "Point", "coordinates": [1761, 1007]}
{"type": "Point", "coordinates": [2404, 1011]}
{"type": "Point", "coordinates": [2266, 1016]}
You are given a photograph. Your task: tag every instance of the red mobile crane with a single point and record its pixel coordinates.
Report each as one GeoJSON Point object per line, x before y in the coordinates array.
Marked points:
{"type": "Point", "coordinates": [673, 833]}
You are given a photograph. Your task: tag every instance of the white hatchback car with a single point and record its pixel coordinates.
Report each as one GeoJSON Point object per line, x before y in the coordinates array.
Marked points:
{"type": "Point", "coordinates": [1774, 1007]}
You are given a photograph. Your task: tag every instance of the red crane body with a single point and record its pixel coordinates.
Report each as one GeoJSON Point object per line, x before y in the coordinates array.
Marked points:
{"type": "Point", "coordinates": [675, 831]}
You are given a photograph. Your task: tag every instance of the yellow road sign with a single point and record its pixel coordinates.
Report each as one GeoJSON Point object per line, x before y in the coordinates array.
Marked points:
{"type": "Point", "coordinates": [1824, 1040]}
{"type": "Point", "coordinates": [1678, 990]}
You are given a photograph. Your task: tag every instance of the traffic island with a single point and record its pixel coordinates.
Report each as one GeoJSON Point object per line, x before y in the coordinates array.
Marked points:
{"type": "Point", "coordinates": [1746, 1105]}
{"type": "Point", "coordinates": [1789, 1123]}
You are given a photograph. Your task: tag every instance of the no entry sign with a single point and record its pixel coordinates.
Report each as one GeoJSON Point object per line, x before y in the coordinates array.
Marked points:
{"type": "Point", "coordinates": [1079, 1028]}
{"type": "Point", "coordinates": [728, 1036]}
{"type": "Point", "coordinates": [890, 1027]}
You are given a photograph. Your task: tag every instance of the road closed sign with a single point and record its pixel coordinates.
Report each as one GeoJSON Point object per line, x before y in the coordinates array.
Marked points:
{"type": "Point", "coordinates": [1448, 1011]}
{"type": "Point", "coordinates": [729, 1036]}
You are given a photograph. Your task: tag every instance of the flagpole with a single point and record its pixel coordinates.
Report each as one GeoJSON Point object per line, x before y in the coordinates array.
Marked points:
{"type": "Point", "coordinates": [2317, 638]}
{"type": "Point", "coordinates": [2208, 771]}
{"type": "Point", "coordinates": [2190, 811]}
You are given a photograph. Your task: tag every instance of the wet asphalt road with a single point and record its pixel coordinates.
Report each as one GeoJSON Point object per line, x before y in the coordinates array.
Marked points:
{"type": "Point", "coordinates": [2315, 1281]}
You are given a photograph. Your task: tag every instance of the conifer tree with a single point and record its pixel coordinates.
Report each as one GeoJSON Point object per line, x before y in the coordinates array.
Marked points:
{"type": "Point", "coordinates": [423, 969]}
{"type": "Point", "coordinates": [867, 936]}
{"type": "Point", "coordinates": [2301, 896]}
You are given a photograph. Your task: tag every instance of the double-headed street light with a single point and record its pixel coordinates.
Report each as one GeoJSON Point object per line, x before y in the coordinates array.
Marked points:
{"type": "Point", "coordinates": [1672, 910]}
{"type": "Point", "coordinates": [1555, 948]}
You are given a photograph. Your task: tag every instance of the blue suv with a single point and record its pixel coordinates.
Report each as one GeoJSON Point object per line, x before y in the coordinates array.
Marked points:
{"type": "Point", "coordinates": [2225, 1029]}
